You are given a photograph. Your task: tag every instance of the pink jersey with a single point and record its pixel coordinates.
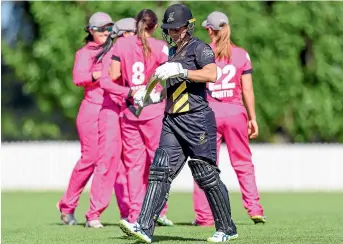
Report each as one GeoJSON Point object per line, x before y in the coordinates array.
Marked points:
{"type": "Point", "coordinates": [228, 87]}
{"type": "Point", "coordinates": [136, 70]}
{"type": "Point", "coordinates": [82, 72]}
{"type": "Point", "coordinates": [225, 95]}
{"type": "Point", "coordinates": [120, 92]}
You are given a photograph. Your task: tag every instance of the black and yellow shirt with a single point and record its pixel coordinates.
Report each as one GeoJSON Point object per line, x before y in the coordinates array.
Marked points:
{"type": "Point", "coordinates": [184, 95]}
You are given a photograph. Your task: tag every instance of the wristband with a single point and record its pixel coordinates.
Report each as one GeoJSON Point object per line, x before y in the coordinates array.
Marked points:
{"type": "Point", "coordinates": [185, 73]}
{"type": "Point", "coordinates": [130, 93]}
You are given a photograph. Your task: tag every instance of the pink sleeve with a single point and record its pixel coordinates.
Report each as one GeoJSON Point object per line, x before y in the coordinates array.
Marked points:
{"type": "Point", "coordinates": [164, 54]}
{"type": "Point", "coordinates": [82, 75]}
{"type": "Point", "coordinates": [106, 83]}
{"type": "Point", "coordinates": [247, 69]}
{"type": "Point", "coordinates": [116, 51]}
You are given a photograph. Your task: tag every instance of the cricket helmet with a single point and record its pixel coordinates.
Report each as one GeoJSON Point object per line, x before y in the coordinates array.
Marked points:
{"type": "Point", "coordinates": [175, 17]}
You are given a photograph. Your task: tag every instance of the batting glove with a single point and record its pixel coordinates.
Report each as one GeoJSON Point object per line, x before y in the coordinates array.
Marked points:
{"type": "Point", "coordinates": [154, 97]}
{"type": "Point", "coordinates": [139, 96]}
{"type": "Point", "coordinates": [171, 70]}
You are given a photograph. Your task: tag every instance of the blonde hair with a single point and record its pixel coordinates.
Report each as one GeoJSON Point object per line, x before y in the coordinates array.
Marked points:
{"type": "Point", "coordinates": [223, 43]}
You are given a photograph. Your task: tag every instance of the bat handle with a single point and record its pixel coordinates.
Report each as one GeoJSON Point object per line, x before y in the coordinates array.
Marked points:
{"type": "Point", "coordinates": [139, 111]}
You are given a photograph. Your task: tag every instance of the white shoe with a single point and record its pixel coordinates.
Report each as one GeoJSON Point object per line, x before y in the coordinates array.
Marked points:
{"type": "Point", "coordinates": [134, 230]}
{"type": "Point", "coordinates": [164, 221]}
{"type": "Point", "coordinates": [94, 224]}
{"type": "Point", "coordinates": [140, 234]}
{"type": "Point", "coordinates": [126, 227]}
{"type": "Point", "coordinates": [219, 237]}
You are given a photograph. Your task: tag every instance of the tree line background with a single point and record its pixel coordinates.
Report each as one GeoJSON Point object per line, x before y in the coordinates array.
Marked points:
{"type": "Point", "coordinates": [295, 48]}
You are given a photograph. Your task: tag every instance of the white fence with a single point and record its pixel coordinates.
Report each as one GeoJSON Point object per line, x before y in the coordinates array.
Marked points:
{"type": "Point", "coordinates": [297, 167]}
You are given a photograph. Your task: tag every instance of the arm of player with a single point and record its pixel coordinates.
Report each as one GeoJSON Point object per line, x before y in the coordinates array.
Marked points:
{"type": "Point", "coordinates": [115, 71]}
{"type": "Point", "coordinates": [82, 75]}
{"type": "Point", "coordinates": [207, 74]}
{"type": "Point", "coordinates": [249, 100]}
{"type": "Point", "coordinates": [108, 85]}
{"type": "Point", "coordinates": [204, 57]}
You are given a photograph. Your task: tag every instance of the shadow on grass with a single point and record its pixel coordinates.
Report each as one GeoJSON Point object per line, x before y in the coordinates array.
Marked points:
{"type": "Point", "coordinates": [160, 238]}
{"type": "Point", "coordinates": [83, 224]}
{"type": "Point", "coordinates": [190, 224]}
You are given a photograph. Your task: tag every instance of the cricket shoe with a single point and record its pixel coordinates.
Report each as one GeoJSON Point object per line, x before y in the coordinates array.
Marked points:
{"type": "Point", "coordinates": [126, 227]}
{"type": "Point", "coordinates": [164, 221]}
{"type": "Point", "coordinates": [94, 224]}
{"type": "Point", "coordinates": [67, 219]}
{"type": "Point", "coordinates": [195, 223]}
{"type": "Point", "coordinates": [135, 231]}
{"type": "Point", "coordinates": [219, 237]}
{"type": "Point", "coordinates": [258, 219]}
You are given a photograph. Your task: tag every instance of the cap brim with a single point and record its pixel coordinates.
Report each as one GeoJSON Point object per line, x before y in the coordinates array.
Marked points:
{"type": "Point", "coordinates": [103, 24]}
{"type": "Point", "coordinates": [204, 23]}
{"type": "Point", "coordinates": [112, 23]}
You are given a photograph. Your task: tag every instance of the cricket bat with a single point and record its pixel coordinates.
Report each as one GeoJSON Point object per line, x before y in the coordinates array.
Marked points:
{"type": "Point", "coordinates": [149, 87]}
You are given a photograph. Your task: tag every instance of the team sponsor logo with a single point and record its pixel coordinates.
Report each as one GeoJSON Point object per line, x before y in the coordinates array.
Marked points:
{"type": "Point", "coordinates": [207, 51]}
{"type": "Point", "coordinates": [202, 138]}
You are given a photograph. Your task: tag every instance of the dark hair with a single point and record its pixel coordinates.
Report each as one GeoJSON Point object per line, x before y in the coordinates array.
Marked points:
{"type": "Point", "coordinates": [146, 22]}
{"type": "Point", "coordinates": [105, 48]}
{"type": "Point", "coordinates": [89, 38]}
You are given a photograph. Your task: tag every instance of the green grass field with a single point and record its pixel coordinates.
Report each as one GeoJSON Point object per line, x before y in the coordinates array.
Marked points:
{"type": "Point", "coordinates": [29, 217]}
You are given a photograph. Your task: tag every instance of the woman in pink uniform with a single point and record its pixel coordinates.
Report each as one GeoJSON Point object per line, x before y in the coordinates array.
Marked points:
{"type": "Point", "coordinates": [235, 123]}
{"type": "Point", "coordinates": [135, 59]}
{"type": "Point", "coordinates": [86, 73]}
{"type": "Point", "coordinates": [124, 28]}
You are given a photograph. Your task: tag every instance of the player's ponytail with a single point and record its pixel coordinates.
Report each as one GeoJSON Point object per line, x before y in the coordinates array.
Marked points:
{"type": "Point", "coordinates": [146, 22]}
{"type": "Point", "coordinates": [223, 43]}
{"type": "Point", "coordinates": [141, 35]}
{"type": "Point", "coordinates": [104, 48]}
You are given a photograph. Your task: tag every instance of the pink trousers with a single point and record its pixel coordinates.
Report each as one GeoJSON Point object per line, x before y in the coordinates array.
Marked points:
{"type": "Point", "coordinates": [234, 131]}
{"type": "Point", "coordinates": [140, 141]}
{"type": "Point", "coordinates": [100, 138]}
{"type": "Point", "coordinates": [121, 191]}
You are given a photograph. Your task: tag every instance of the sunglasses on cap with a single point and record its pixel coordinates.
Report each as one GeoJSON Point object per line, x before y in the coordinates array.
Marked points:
{"type": "Point", "coordinates": [101, 29]}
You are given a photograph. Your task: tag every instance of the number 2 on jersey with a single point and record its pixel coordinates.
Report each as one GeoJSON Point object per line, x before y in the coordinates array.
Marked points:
{"type": "Point", "coordinates": [229, 71]}
{"type": "Point", "coordinates": [138, 76]}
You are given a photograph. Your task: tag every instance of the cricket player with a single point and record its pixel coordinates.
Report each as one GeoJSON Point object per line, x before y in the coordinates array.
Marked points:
{"type": "Point", "coordinates": [124, 28]}
{"type": "Point", "coordinates": [189, 129]}
{"type": "Point", "coordinates": [135, 59]}
{"type": "Point", "coordinates": [86, 73]}
{"type": "Point", "coordinates": [234, 80]}
{"type": "Point", "coordinates": [114, 90]}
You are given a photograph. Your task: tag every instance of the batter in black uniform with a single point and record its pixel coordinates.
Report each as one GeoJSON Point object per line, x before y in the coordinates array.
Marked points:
{"type": "Point", "coordinates": [189, 129]}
